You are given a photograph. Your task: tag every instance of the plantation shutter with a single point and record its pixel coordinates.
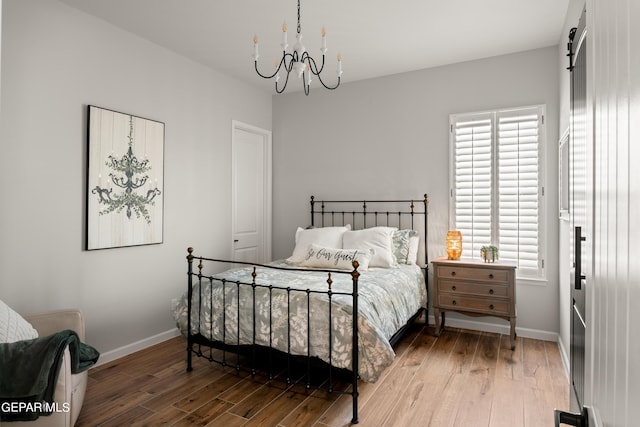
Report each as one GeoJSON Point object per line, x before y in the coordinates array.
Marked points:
{"type": "Point", "coordinates": [518, 188]}
{"type": "Point", "coordinates": [496, 191]}
{"type": "Point", "coordinates": [472, 181]}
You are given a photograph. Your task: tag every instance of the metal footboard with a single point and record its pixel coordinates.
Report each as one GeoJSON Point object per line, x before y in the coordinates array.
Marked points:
{"type": "Point", "coordinates": [255, 357]}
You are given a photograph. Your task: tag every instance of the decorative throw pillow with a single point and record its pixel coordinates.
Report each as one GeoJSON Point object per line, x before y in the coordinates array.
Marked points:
{"type": "Point", "coordinates": [401, 245]}
{"type": "Point", "coordinates": [330, 237]}
{"type": "Point", "coordinates": [13, 327]}
{"type": "Point", "coordinates": [414, 244]}
{"type": "Point", "coordinates": [341, 259]}
{"type": "Point", "coordinates": [379, 239]}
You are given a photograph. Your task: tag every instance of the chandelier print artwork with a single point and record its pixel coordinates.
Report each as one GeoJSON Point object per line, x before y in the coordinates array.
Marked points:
{"type": "Point", "coordinates": [299, 61]}
{"type": "Point", "coordinates": [130, 175]}
{"type": "Point", "coordinates": [125, 179]}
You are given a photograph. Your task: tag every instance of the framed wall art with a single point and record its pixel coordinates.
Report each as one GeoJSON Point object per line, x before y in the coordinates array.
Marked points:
{"type": "Point", "coordinates": [125, 180]}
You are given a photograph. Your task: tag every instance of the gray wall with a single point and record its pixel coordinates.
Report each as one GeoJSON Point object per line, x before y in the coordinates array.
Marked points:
{"type": "Point", "coordinates": [55, 61]}
{"type": "Point", "coordinates": [388, 137]}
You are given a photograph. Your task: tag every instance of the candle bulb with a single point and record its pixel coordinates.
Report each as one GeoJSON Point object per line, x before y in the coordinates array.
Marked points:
{"type": "Point", "coordinates": [255, 48]}
{"type": "Point", "coordinates": [284, 36]}
{"type": "Point", "coordinates": [99, 180]}
{"type": "Point", "coordinates": [323, 49]}
{"type": "Point", "coordinates": [339, 64]}
{"type": "Point", "coordinates": [308, 74]}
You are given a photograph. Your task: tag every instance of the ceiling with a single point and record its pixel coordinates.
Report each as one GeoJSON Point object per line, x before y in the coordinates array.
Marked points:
{"type": "Point", "coordinates": [374, 37]}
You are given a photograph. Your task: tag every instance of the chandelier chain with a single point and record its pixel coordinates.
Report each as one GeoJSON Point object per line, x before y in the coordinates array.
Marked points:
{"type": "Point", "coordinates": [299, 28]}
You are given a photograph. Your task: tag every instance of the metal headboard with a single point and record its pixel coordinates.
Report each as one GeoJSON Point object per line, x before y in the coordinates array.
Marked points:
{"type": "Point", "coordinates": [370, 213]}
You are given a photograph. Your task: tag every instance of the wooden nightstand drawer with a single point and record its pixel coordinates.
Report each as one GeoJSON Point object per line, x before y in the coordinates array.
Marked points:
{"type": "Point", "coordinates": [471, 288]}
{"type": "Point", "coordinates": [469, 273]}
{"type": "Point", "coordinates": [475, 304]}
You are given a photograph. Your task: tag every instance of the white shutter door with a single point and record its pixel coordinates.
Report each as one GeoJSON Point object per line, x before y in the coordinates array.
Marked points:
{"type": "Point", "coordinates": [518, 188]}
{"type": "Point", "coordinates": [472, 169]}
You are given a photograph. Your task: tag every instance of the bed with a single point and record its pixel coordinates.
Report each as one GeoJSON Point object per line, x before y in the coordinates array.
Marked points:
{"type": "Point", "coordinates": [293, 319]}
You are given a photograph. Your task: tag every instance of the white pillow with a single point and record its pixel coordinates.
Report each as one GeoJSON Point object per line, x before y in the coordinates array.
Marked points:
{"type": "Point", "coordinates": [414, 244]}
{"type": "Point", "coordinates": [341, 259]}
{"type": "Point", "coordinates": [377, 238]}
{"type": "Point", "coordinates": [13, 327]}
{"type": "Point", "coordinates": [330, 237]}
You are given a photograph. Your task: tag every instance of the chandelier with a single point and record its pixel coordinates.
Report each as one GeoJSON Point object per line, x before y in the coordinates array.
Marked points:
{"type": "Point", "coordinates": [299, 61]}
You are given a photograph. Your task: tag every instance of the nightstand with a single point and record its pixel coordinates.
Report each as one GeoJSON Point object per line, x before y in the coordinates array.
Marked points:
{"type": "Point", "coordinates": [474, 288]}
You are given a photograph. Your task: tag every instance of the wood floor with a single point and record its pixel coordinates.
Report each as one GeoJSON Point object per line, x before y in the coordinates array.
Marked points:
{"type": "Point", "coordinates": [463, 378]}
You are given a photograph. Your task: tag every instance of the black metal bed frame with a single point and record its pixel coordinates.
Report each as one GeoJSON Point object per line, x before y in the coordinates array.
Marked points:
{"type": "Point", "coordinates": [284, 365]}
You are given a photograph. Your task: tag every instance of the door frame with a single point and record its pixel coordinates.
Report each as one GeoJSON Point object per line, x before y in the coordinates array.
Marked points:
{"type": "Point", "coordinates": [267, 182]}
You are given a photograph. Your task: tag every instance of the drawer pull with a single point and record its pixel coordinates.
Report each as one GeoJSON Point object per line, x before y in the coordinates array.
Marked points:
{"type": "Point", "coordinates": [453, 302]}
{"type": "Point", "coordinates": [453, 273]}
{"type": "Point", "coordinates": [491, 307]}
{"type": "Point", "coordinates": [490, 291]}
{"type": "Point", "coordinates": [453, 288]}
{"type": "Point", "coordinates": [490, 275]}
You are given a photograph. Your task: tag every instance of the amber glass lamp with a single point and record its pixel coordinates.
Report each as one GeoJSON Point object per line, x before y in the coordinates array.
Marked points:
{"type": "Point", "coordinates": [454, 244]}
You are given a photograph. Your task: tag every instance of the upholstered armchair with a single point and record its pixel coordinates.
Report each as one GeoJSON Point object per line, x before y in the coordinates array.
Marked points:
{"type": "Point", "coordinates": [70, 388]}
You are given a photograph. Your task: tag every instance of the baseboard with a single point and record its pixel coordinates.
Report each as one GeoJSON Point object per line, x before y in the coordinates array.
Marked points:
{"type": "Point", "coordinates": [595, 420]}
{"type": "Point", "coordinates": [112, 355]}
{"type": "Point", "coordinates": [499, 329]}
{"type": "Point", "coordinates": [564, 356]}
{"type": "Point", "coordinates": [117, 353]}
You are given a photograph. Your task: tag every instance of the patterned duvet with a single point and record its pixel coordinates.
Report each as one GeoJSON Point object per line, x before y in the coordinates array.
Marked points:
{"type": "Point", "coordinates": [387, 299]}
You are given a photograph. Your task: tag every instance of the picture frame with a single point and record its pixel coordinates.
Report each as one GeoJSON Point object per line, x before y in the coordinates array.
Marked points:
{"type": "Point", "coordinates": [125, 180]}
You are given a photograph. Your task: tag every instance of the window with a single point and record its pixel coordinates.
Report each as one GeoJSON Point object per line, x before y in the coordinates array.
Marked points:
{"type": "Point", "coordinates": [497, 189]}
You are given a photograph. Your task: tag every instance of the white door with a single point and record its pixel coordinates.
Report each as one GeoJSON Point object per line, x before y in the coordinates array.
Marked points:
{"type": "Point", "coordinates": [251, 193]}
{"type": "Point", "coordinates": [612, 381]}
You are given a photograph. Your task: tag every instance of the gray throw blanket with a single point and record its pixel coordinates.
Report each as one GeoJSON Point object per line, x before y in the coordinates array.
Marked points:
{"type": "Point", "coordinates": [29, 371]}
